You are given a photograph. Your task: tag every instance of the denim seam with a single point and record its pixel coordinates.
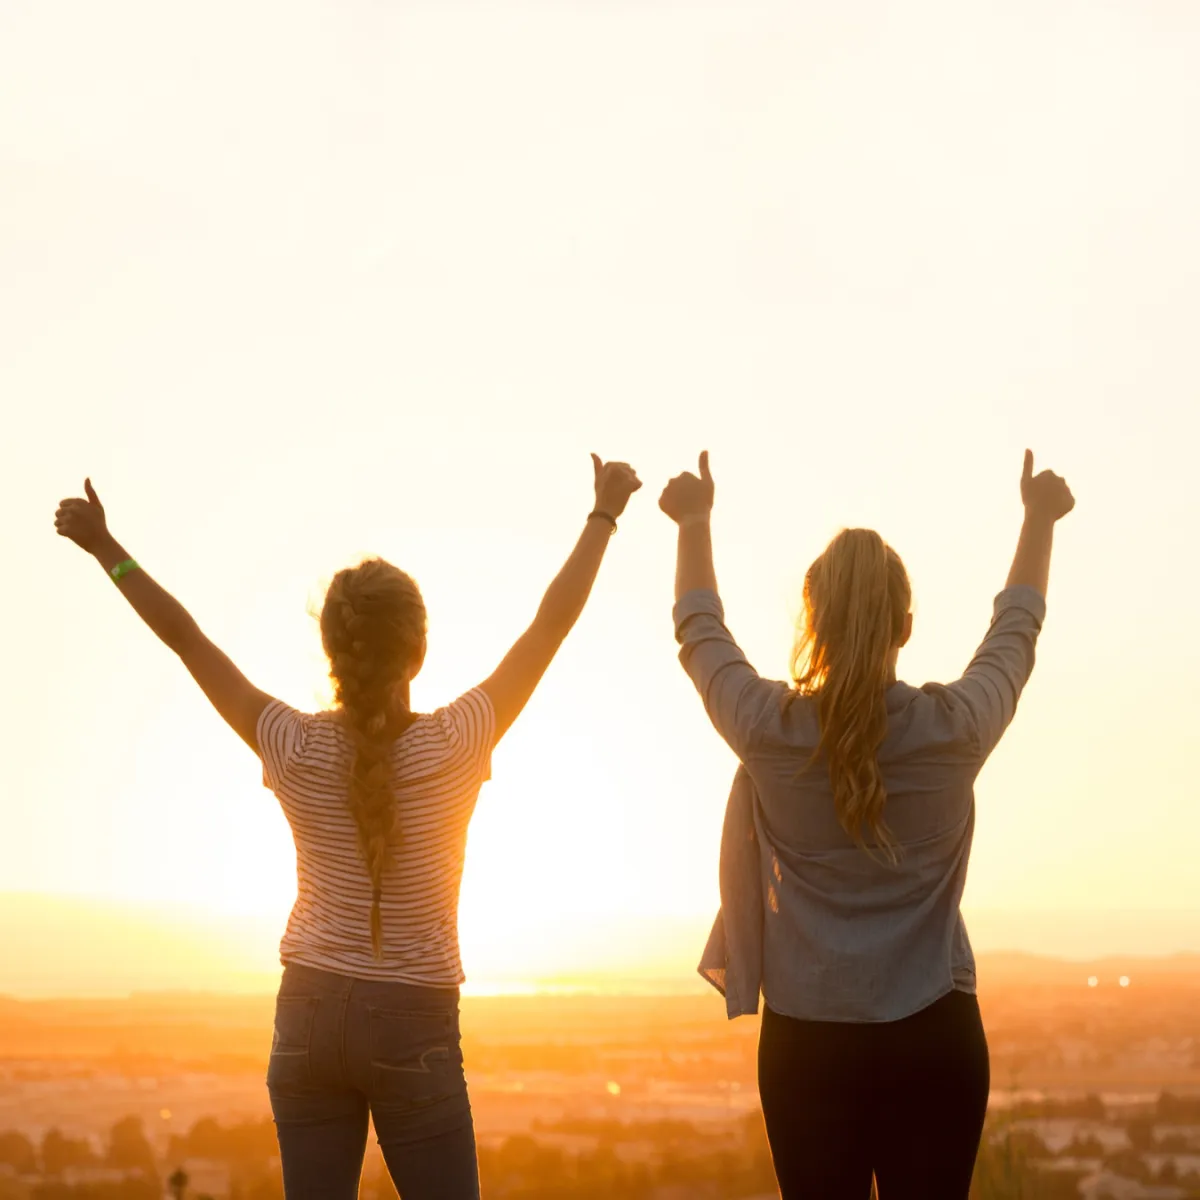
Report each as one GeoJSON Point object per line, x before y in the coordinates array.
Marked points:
{"type": "Point", "coordinates": [343, 1056]}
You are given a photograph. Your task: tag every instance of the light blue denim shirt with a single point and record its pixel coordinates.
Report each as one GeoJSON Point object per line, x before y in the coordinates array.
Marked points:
{"type": "Point", "coordinates": [826, 931]}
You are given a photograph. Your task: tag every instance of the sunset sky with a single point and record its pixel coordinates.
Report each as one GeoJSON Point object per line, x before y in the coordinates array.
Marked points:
{"type": "Point", "coordinates": [299, 282]}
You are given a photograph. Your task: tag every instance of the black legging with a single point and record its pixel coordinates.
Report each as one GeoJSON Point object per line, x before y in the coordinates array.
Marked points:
{"type": "Point", "coordinates": [903, 1100]}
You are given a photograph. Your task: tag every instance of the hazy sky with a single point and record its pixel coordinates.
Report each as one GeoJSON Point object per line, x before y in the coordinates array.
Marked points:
{"type": "Point", "coordinates": [296, 282]}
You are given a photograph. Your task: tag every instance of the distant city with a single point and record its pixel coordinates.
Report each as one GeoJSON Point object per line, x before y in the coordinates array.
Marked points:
{"type": "Point", "coordinates": [1095, 1067]}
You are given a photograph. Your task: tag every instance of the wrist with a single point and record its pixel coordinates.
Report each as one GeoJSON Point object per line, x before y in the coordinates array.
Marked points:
{"type": "Point", "coordinates": [696, 518]}
{"type": "Point", "coordinates": [108, 551]}
{"type": "Point", "coordinates": [603, 518]}
{"type": "Point", "coordinates": [1035, 519]}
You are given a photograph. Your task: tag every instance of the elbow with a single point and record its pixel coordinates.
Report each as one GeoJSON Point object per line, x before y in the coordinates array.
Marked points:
{"type": "Point", "coordinates": [183, 638]}
{"type": "Point", "coordinates": [554, 621]}
{"type": "Point", "coordinates": [549, 630]}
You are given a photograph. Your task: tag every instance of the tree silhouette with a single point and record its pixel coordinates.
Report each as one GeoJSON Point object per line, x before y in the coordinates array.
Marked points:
{"type": "Point", "coordinates": [18, 1152]}
{"type": "Point", "coordinates": [60, 1152]}
{"type": "Point", "coordinates": [128, 1148]}
{"type": "Point", "coordinates": [177, 1184]}
{"type": "Point", "coordinates": [1141, 1133]}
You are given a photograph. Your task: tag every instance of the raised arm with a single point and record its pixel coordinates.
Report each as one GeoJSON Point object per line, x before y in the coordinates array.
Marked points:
{"type": "Point", "coordinates": [738, 701]}
{"type": "Point", "coordinates": [1047, 500]}
{"type": "Point", "coordinates": [688, 500]}
{"type": "Point", "coordinates": [513, 682]}
{"type": "Point", "coordinates": [992, 684]}
{"type": "Point", "coordinates": [238, 701]}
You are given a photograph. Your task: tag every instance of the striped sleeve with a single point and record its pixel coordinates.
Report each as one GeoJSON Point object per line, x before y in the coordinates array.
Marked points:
{"type": "Point", "coordinates": [281, 734]}
{"type": "Point", "coordinates": [470, 726]}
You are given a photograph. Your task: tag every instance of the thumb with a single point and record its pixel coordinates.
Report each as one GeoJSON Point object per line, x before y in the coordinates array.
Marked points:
{"type": "Point", "coordinates": [596, 465]}
{"type": "Point", "coordinates": [91, 493]}
{"type": "Point", "coordinates": [705, 474]}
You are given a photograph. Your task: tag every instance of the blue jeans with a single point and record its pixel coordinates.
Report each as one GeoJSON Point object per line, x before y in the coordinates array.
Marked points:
{"type": "Point", "coordinates": [345, 1048]}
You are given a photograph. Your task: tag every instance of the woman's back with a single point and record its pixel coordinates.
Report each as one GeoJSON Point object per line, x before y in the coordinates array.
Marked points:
{"type": "Point", "coordinates": [437, 768]}
{"type": "Point", "coordinates": [856, 933]}
{"type": "Point", "coordinates": [928, 761]}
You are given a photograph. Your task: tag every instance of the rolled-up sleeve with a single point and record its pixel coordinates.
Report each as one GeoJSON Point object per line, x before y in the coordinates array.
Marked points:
{"type": "Point", "coordinates": [992, 683]}
{"type": "Point", "coordinates": [738, 701]}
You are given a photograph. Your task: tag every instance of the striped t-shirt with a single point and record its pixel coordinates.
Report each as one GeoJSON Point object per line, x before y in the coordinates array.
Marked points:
{"type": "Point", "coordinates": [438, 766]}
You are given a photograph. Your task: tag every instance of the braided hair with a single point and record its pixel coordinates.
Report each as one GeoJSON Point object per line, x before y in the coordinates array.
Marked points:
{"type": "Point", "coordinates": [373, 631]}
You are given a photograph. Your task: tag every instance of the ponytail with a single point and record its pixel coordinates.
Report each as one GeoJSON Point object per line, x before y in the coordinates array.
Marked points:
{"type": "Point", "coordinates": [856, 596]}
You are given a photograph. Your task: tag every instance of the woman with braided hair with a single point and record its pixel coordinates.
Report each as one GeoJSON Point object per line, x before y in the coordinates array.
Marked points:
{"type": "Point", "coordinates": [378, 798]}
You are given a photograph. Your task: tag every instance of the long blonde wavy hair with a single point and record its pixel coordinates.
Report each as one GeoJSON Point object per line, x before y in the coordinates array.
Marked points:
{"type": "Point", "coordinates": [373, 630]}
{"type": "Point", "coordinates": [856, 600]}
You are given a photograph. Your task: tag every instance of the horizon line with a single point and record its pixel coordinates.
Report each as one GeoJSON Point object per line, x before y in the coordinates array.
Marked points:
{"type": "Point", "coordinates": [616, 986]}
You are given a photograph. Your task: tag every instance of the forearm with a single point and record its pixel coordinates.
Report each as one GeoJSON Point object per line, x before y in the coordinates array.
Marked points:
{"type": "Point", "coordinates": [566, 597]}
{"type": "Point", "coordinates": [1031, 563]}
{"type": "Point", "coordinates": [694, 560]}
{"type": "Point", "coordinates": [156, 606]}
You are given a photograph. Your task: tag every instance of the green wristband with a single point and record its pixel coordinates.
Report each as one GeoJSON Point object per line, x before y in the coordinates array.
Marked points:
{"type": "Point", "coordinates": [122, 569]}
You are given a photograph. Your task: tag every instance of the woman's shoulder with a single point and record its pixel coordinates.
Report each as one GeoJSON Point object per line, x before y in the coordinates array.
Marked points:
{"type": "Point", "coordinates": [926, 717]}
{"type": "Point", "coordinates": [793, 717]}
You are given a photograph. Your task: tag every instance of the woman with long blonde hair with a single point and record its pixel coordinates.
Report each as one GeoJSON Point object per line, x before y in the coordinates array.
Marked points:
{"type": "Point", "coordinates": [378, 798]}
{"type": "Point", "coordinates": [845, 852]}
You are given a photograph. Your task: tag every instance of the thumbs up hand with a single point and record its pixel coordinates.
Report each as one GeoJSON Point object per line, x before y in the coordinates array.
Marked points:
{"type": "Point", "coordinates": [82, 520]}
{"type": "Point", "coordinates": [1045, 494]}
{"type": "Point", "coordinates": [615, 483]}
{"type": "Point", "coordinates": [689, 497]}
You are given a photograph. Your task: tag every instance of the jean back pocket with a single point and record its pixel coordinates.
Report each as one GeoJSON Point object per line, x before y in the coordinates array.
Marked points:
{"type": "Point", "coordinates": [291, 1044]}
{"type": "Point", "coordinates": [415, 1056]}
